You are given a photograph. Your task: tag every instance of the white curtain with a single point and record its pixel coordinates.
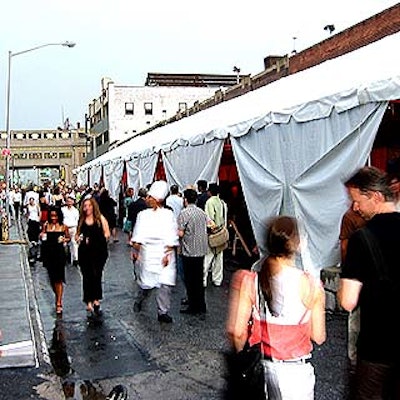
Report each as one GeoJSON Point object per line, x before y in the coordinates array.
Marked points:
{"type": "Point", "coordinates": [298, 169]}
{"type": "Point", "coordinates": [82, 177]}
{"type": "Point", "coordinates": [185, 165]}
{"type": "Point", "coordinates": [112, 177]}
{"type": "Point", "coordinates": [95, 172]}
{"type": "Point", "coordinates": [140, 171]}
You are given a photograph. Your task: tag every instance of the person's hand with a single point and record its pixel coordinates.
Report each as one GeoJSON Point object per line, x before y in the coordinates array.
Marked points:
{"type": "Point", "coordinates": [166, 259]}
{"type": "Point", "coordinates": [134, 255]}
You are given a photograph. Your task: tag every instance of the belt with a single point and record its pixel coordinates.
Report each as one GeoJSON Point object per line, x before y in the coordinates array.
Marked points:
{"type": "Point", "coordinates": [300, 360]}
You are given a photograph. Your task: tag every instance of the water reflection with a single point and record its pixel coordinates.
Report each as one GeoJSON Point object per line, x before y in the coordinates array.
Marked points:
{"type": "Point", "coordinates": [82, 390]}
{"type": "Point", "coordinates": [96, 340]}
{"type": "Point", "coordinates": [58, 350]}
{"type": "Point", "coordinates": [85, 390]}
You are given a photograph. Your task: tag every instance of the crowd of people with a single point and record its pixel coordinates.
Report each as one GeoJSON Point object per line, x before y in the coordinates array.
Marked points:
{"type": "Point", "coordinates": [71, 226]}
{"type": "Point", "coordinates": [278, 307]}
{"type": "Point", "coordinates": [68, 226]}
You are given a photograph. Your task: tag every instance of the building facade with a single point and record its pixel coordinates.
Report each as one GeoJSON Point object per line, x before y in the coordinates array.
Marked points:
{"type": "Point", "coordinates": [123, 111]}
{"type": "Point", "coordinates": [39, 156]}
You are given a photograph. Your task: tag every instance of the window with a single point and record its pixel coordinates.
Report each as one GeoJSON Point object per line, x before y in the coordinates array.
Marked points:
{"type": "Point", "coordinates": [34, 136]}
{"type": "Point", "coordinates": [65, 135]}
{"type": "Point", "coordinates": [129, 108]}
{"type": "Point", "coordinates": [22, 156]}
{"type": "Point", "coordinates": [182, 107]}
{"type": "Point", "coordinates": [50, 155]}
{"type": "Point", "coordinates": [106, 137]}
{"type": "Point", "coordinates": [148, 108]}
{"type": "Point", "coordinates": [65, 155]}
{"type": "Point", "coordinates": [35, 156]}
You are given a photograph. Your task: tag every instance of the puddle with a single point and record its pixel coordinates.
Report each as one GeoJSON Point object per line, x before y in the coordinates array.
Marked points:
{"type": "Point", "coordinates": [73, 387]}
{"type": "Point", "coordinates": [73, 390]}
{"type": "Point", "coordinates": [58, 350]}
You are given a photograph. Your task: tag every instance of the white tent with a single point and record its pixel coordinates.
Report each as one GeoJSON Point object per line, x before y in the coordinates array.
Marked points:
{"type": "Point", "coordinates": [295, 141]}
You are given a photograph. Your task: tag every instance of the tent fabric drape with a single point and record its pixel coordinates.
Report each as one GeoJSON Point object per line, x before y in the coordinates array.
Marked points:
{"type": "Point", "coordinates": [82, 177]}
{"type": "Point", "coordinates": [298, 169]}
{"type": "Point", "coordinates": [112, 178]}
{"type": "Point", "coordinates": [95, 172]}
{"type": "Point", "coordinates": [140, 171]}
{"type": "Point", "coordinates": [185, 165]}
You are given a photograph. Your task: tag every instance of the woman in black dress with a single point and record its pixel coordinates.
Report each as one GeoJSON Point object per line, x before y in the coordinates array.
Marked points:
{"type": "Point", "coordinates": [53, 236]}
{"type": "Point", "coordinates": [92, 235]}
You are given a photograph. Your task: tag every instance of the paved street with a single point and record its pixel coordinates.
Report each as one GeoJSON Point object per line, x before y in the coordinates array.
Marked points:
{"type": "Point", "coordinates": [183, 360]}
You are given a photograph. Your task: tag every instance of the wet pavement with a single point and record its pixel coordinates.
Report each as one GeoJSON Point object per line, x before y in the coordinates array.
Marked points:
{"type": "Point", "coordinates": [182, 360]}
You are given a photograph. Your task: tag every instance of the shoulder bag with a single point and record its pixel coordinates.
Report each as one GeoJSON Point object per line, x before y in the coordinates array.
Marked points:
{"type": "Point", "coordinates": [218, 238]}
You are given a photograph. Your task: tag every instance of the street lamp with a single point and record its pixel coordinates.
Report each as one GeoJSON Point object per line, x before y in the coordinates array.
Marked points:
{"type": "Point", "coordinates": [8, 134]}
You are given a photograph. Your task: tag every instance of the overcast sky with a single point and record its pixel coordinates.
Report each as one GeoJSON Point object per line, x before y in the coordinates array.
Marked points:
{"type": "Point", "coordinates": [126, 39]}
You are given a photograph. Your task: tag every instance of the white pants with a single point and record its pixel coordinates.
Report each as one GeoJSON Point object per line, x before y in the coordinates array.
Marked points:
{"type": "Point", "coordinates": [214, 262]}
{"type": "Point", "coordinates": [287, 381]}
{"type": "Point", "coordinates": [73, 246]}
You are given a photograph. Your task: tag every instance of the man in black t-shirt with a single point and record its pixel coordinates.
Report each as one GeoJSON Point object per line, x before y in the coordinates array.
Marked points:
{"type": "Point", "coordinates": [371, 279]}
{"type": "Point", "coordinates": [136, 206]}
{"type": "Point", "coordinates": [203, 194]}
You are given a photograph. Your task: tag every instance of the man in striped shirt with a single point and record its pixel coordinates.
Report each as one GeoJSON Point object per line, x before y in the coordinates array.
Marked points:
{"type": "Point", "coordinates": [192, 230]}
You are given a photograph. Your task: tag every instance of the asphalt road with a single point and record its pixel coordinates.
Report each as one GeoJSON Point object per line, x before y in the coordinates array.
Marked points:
{"type": "Point", "coordinates": [183, 360]}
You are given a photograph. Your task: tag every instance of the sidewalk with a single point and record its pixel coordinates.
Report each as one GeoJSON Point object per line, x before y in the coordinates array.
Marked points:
{"type": "Point", "coordinates": [17, 344]}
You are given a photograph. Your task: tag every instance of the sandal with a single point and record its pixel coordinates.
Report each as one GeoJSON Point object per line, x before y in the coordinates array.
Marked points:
{"type": "Point", "coordinates": [59, 309]}
{"type": "Point", "coordinates": [89, 310]}
{"type": "Point", "coordinates": [96, 309]}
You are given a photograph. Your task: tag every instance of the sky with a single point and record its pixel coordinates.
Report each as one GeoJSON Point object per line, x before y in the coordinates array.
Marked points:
{"type": "Point", "coordinates": [126, 39]}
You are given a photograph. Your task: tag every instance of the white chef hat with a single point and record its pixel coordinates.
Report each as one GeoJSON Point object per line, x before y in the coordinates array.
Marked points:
{"type": "Point", "coordinates": [159, 190]}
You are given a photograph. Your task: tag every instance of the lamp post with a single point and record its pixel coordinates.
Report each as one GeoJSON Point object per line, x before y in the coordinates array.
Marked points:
{"type": "Point", "coordinates": [8, 134]}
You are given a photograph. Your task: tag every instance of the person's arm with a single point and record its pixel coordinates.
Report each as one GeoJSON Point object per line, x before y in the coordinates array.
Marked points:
{"type": "Point", "coordinates": [39, 213]}
{"type": "Point", "coordinates": [44, 229]}
{"type": "Point", "coordinates": [181, 225]}
{"type": "Point", "coordinates": [239, 312]}
{"type": "Point", "coordinates": [343, 249]}
{"type": "Point", "coordinates": [135, 253]}
{"type": "Point", "coordinates": [313, 297]}
{"type": "Point", "coordinates": [349, 293]}
{"type": "Point", "coordinates": [106, 228]}
{"type": "Point", "coordinates": [67, 236]}
{"type": "Point", "coordinates": [356, 263]}
{"type": "Point", "coordinates": [318, 325]}
{"type": "Point", "coordinates": [209, 210]}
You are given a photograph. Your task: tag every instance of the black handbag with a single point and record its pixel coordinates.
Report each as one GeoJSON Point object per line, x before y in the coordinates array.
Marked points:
{"type": "Point", "coordinates": [251, 371]}
{"type": "Point", "coordinates": [246, 374]}
{"type": "Point", "coordinates": [248, 371]}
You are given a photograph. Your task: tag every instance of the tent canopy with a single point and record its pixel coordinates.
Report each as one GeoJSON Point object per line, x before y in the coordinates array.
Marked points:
{"type": "Point", "coordinates": [365, 75]}
{"type": "Point", "coordinates": [295, 142]}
